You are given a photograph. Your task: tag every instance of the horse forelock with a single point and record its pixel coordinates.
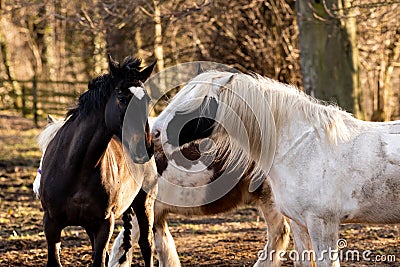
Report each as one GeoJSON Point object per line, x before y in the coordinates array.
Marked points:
{"type": "Point", "coordinates": [131, 62]}
{"type": "Point", "coordinates": [203, 87]}
{"type": "Point", "coordinates": [130, 66]}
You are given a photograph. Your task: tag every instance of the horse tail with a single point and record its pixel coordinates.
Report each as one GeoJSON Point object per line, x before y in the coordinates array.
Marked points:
{"type": "Point", "coordinates": [126, 243]}
{"type": "Point", "coordinates": [249, 123]}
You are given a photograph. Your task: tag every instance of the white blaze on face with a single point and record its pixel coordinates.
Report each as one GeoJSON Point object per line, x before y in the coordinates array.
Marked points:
{"type": "Point", "coordinates": [160, 124]}
{"type": "Point", "coordinates": [138, 92]}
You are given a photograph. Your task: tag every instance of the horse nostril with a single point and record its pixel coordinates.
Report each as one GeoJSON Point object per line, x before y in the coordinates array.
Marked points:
{"type": "Point", "coordinates": [156, 134]}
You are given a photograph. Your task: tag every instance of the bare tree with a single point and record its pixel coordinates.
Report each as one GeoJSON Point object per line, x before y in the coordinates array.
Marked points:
{"type": "Point", "coordinates": [345, 45]}
{"type": "Point", "coordinates": [328, 52]}
{"type": "Point", "coordinates": [379, 40]}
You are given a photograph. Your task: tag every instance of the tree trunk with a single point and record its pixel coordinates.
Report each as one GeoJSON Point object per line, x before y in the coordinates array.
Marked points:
{"type": "Point", "coordinates": [158, 47]}
{"type": "Point", "coordinates": [100, 63]}
{"type": "Point", "coordinates": [156, 91]}
{"type": "Point", "coordinates": [386, 104]}
{"type": "Point", "coordinates": [15, 91]}
{"type": "Point", "coordinates": [100, 41]}
{"type": "Point", "coordinates": [139, 44]}
{"type": "Point", "coordinates": [328, 52]}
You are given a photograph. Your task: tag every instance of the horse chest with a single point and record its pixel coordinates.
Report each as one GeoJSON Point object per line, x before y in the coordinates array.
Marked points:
{"type": "Point", "coordinates": [192, 176]}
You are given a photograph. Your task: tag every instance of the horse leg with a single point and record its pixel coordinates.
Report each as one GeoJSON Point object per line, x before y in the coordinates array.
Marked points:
{"type": "Point", "coordinates": [302, 245]}
{"type": "Point", "coordinates": [101, 239]}
{"type": "Point", "coordinates": [91, 237]}
{"type": "Point", "coordinates": [52, 230]}
{"type": "Point", "coordinates": [165, 245]}
{"type": "Point", "coordinates": [324, 233]}
{"type": "Point", "coordinates": [143, 205]}
{"type": "Point", "coordinates": [118, 250]}
{"type": "Point", "coordinates": [278, 234]}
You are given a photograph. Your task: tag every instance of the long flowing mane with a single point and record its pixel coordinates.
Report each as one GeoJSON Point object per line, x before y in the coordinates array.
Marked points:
{"type": "Point", "coordinates": [244, 104]}
{"type": "Point", "coordinates": [284, 101]}
{"type": "Point", "coordinates": [100, 88]}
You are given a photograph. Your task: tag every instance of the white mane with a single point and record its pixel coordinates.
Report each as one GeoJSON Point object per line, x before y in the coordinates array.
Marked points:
{"type": "Point", "coordinates": [286, 100]}
{"type": "Point", "coordinates": [244, 101]}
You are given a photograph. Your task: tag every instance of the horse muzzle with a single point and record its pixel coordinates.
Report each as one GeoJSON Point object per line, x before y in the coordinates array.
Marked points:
{"type": "Point", "coordinates": [140, 149]}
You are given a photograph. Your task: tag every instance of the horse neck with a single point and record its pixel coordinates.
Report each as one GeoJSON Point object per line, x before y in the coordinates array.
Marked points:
{"type": "Point", "coordinates": [292, 131]}
{"type": "Point", "coordinates": [89, 140]}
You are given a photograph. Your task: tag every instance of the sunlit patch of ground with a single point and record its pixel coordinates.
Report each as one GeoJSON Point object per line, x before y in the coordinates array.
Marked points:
{"type": "Point", "coordinates": [18, 141]}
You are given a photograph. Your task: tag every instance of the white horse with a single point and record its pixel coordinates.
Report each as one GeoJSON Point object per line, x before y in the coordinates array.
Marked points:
{"type": "Point", "coordinates": [327, 167]}
{"type": "Point", "coordinates": [183, 173]}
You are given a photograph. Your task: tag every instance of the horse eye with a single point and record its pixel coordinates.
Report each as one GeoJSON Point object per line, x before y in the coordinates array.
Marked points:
{"type": "Point", "coordinates": [123, 100]}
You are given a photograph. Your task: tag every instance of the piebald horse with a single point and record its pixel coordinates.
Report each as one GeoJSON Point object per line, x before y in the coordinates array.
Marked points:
{"type": "Point", "coordinates": [85, 179]}
{"type": "Point", "coordinates": [324, 166]}
{"type": "Point", "coordinates": [201, 172]}
{"type": "Point", "coordinates": [178, 171]}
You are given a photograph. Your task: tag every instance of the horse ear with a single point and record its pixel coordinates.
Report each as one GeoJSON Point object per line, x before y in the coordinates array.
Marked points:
{"type": "Point", "coordinates": [112, 64]}
{"type": "Point", "coordinates": [50, 119]}
{"type": "Point", "coordinates": [146, 72]}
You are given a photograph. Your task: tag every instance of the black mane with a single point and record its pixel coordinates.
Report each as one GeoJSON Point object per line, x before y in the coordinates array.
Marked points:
{"type": "Point", "coordinates": [100, 88]}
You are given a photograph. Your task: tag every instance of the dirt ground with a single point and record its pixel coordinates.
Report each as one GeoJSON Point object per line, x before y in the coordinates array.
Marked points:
{"type": "Point", "coordinates": [231, 239]}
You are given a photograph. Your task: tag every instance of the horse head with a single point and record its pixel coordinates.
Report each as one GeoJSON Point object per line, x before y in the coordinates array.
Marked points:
{"type": "Point", "coordinates": [129, 93]}
{"type": "Point", "coordinates": [191, 115]}
{"type": "Point", "coordinates": [227, 107]}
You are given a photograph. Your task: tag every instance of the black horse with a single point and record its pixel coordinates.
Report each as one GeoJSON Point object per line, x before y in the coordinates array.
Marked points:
{"type": "Point", "coordinates": [85, 176]}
